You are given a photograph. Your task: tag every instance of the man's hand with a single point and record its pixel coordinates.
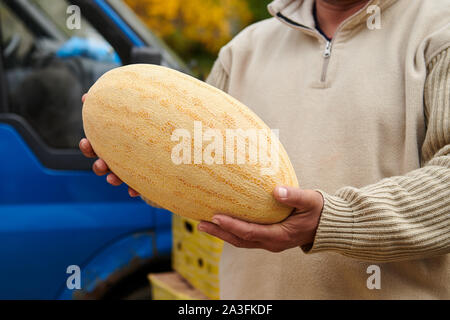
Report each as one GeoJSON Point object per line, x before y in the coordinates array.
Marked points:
{"type": "Point", "coordinates": [296, 230]}
{"type": "Point", "coordinates": [100, 167]}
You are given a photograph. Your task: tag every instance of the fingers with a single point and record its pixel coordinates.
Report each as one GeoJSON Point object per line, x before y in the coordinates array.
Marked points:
{"type": "Point", "coordinates": [114, 180]}
{"type": "Point", "coordinates": [246, 230]}
{"type": "Point", "coordinates": [86, 148]}
{"type": "Point", "coordinates": [133, 193]}
{"type": "Point", "coordinates": [297, 229]}
{"type": "Point", "coordinates": [295, 197]}
{"type": "Point", "coordinates": [229, 237]}
{"type": "Point", "coordinates": [100, 167]}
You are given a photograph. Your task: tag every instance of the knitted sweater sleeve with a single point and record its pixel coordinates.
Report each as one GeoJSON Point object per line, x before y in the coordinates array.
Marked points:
{"type": "Point", "coordinates": [403, 217]}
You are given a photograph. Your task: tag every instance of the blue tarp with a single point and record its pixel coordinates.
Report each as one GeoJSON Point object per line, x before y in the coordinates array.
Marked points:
{"type": "Point", "coordinates": [89, 48]}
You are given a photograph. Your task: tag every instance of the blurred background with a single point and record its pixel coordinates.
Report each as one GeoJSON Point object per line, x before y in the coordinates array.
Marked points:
{"type": "Point", "coordinates": [66, 233]}
{"type": "Point", "coordinates": [197, 29]}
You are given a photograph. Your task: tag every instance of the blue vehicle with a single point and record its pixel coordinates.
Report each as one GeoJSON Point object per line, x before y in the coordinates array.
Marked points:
{"type": "Point", "coordinates": [64, 232]}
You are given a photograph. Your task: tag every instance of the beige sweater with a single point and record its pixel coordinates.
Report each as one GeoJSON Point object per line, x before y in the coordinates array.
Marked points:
{"type": "Point", "coordinates": [368, 126]}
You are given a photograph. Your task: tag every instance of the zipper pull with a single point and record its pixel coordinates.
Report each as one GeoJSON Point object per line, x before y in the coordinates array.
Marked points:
{"type": "Point", "coordinates": [327, 52]}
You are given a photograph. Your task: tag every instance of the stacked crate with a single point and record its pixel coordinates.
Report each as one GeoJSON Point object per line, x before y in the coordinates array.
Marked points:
{"type": "Point", "coordinates": [172, 286]}
{"type": "Point", "coordinates": [195, 258]}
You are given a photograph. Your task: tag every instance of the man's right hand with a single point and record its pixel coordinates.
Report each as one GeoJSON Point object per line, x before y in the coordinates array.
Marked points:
{"type": "Point", "coordinates": [100, 167]}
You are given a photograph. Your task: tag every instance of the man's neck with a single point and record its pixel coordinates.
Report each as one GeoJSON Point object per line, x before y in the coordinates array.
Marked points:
{"type": "Point", "coordinates": [331, 13]}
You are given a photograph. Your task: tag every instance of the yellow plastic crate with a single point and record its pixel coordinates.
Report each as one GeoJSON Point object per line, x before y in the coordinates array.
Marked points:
{"type": "Point", "coordinates": [196, 256]}
{"type": "Point", "coordinates": [172, 286]}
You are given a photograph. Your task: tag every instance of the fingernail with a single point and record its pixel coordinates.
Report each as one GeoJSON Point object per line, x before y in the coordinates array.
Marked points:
{"type": "Point", "coordinates": [100, 166]}
{"type": "Point", "coordinates": [201, 227]}
{"type": "Point", "coordinates": [215, 220]}
{"type": "Point", "coordinates": [282, 192]}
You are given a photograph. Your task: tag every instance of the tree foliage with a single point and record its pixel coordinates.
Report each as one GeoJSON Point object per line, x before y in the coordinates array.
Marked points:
{"type": "Point", "coordinates": [197, 29]}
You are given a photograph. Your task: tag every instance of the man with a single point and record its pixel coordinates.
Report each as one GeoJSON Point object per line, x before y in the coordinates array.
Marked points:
{"type": "Point", "coordinates": [364, 114]}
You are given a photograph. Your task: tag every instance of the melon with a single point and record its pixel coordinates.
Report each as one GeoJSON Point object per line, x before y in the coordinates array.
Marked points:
{"type": "Point", "coordinates": [186, 146]}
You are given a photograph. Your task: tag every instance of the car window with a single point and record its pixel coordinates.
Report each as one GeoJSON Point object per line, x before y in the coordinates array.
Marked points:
{"type": "Point", "coordinates": [45, 76]}
{"type": "Point", "coordinates": [56, 11]}
{"type": "Point", "coordinates": [11, 28]}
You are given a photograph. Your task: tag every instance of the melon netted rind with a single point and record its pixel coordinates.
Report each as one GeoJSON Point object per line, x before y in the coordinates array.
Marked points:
{"type": "Point", "coordinates": [129, 115]}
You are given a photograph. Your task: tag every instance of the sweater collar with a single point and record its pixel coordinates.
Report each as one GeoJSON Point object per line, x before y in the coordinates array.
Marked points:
{"type": "Point", "coordinates": [299, 13]}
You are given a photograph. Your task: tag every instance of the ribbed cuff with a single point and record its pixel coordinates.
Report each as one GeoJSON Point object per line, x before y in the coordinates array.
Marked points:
{"type": "Point", "coordinates": [335, 230]}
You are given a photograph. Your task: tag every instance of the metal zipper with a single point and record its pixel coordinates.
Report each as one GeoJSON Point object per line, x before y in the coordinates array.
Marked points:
{"type": "Point", "coordinates": [326, 61]}
{"type": "Point", "coordinates": [328, 44]}
{"type": "Point", "coordinates": [317, 34]}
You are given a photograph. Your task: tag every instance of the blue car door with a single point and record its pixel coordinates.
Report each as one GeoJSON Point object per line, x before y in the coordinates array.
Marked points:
{"type": "Point", "coordinates": [57, 217]}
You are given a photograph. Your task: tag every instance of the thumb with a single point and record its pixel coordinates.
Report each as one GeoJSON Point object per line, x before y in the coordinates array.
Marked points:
{"type": "Point", "coordinates": [296, 197]}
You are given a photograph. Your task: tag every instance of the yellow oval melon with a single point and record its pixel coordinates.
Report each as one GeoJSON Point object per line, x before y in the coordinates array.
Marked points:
{"type": "Point", "coordinates": [177, 141]}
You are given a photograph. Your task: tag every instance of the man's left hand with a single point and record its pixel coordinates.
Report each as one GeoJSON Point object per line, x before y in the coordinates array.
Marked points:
{"type": "Point", "coordinates": [296, 230]}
